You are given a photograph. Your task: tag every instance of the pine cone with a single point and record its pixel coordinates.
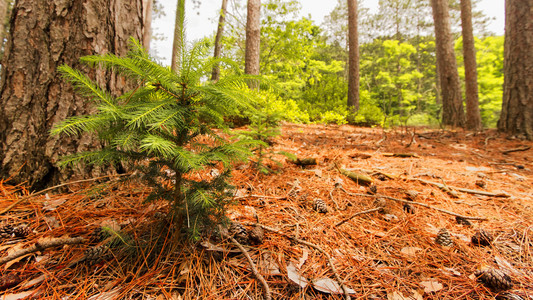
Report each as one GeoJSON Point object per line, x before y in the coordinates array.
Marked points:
{"type": "Point", "coordinates": [443, 238]}
{"type": "Point", "coordinates": [257, 235]}
{"type": "Point", "coordinates": [95, 254]}
{"type": "Point", "coordinates": [494, 279]}
{"type": "Point", "coordinates": [6, 231]}
{"type": "Point", "coordinates": [482, 238]}
{"type": "Point", "coordinates": [239, 232]}
{"type": "Point", "coordinates": [408, 208]}
{"type": "Point", "coordinates": [372, 190]}
{"type": "Point", "coordinates": [320, 206]}
{"type": "Point", "coordinates": [411, 195]}
{"type": "Point", "coordinates": [98, 235]}
{"type": "Point", "coordinates": [21, 231]}
{"type": "Point", "coordinates": [462, 221]}
{"type": "Point", "coordinates": [481, 184]}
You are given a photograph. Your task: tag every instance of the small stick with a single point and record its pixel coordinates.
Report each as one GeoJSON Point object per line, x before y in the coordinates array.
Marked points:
{"type": "Point", "coordinates": [55, 187]}
{"type": "Point", "coordinates": [417, 203]}
{"type": "Point", "coordinates": [525, 148]}
{"type": "Point", "coordinates": [357, 214]}
{"type": "Point", "coordinates": [268, 295]}
{"type": "Point", "coordinates": [468, 191]}
{"type": "Point", "coordinates": [262, 196]}
{"type": "Point", "coordinates": [40, 246]}
{"type": "Point", "coordinates": [309, 244]}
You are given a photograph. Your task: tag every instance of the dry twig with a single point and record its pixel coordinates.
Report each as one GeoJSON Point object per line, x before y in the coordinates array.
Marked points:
{"type": "Point", "coordinates": [268, 295]}
{"type": "Point", "coordinates": [416, 203]}
{"type": "Point", "coordinates": [357, 214]}
{"type": "Point", "coordinates": [40, 246]}
{"type": "Point", "coordinates": [525, 148]}
{"type": "Point", "coordinates": [468, 191]}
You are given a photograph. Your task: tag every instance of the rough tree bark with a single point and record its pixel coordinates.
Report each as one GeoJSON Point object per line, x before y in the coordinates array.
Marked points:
{"type": "Point", "coordinates": [220, 30]}
{"type": "Point", "coordinates": [179, 36]}
{"type": "Point", "coordinates": [473, 117]}
{"type": "Point", "coordinates": [43, 36]}
{"type": "Point", "coordinates": [517, 108]}
{"type": "Point", "coordinates": [353, 60]}
{"type": "Point", "coordinates": [452, 102]}
{"type": "Point", "coordinates": [253, 37]}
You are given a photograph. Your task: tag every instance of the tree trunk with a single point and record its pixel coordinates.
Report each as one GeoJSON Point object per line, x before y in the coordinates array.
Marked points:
{"type": "Point", "coordinates": [473, 117]}
{"type": "Point", "coordinates": [517, 108]}
{"type": "Point", "coordinates": [3, 14]}
{"type": "Point", "coordinates": [179, 36]}
{"type": "Point", "coordinates": [253, 37]}
{"type": "Point", "coordinates": [452, 102]}
{"type": "Point", "coordinates": [220, 30]}
{"type": "Point", "coordinates": [353, 59]}
{"type": "Point", "coordinates": [147, 15]}
{"type": "Point", "coordinates": [44, 35]}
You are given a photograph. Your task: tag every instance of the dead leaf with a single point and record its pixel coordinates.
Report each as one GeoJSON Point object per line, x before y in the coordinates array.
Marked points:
{"type": "Point", "coordinates": [451, 271]}
{"type": "Point", "coordinates": [305, 255]}
{"type": "Point", "coordinates": [51, 205]}
{"type": "Point", "coordinates": [33, 282]}
{"type": "Point", "coordinates": [410, 251]}
{"type": "Point", "coordinates": [431, 286]}
{"type": "Point", "coordinates": [318, 173]}
{"type": "Point", "coordinates": [268, 265]}
{"type": "Point", "coordinates": [330, 286]}
{"type": "Point", "coordinates": [295, 276]}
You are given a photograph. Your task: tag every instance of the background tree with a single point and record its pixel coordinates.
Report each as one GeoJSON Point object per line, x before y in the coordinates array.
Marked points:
{"type": "Point", "coordinates": [220, 30]}
{"type": "Point", "coordinates": [179, 35]}
{"type": "Point", "coordinates": [253, 36]}
{"type": "Point", "coordinates": [450, 86]}
{"type": "Point", "coordinates": [147, 13]}
{"type": "Point", "coordinates": [473, 117]}
{"type": "Point", "coordinates": [5, 13]}
{"type": "Point", "coordinates": [517, 109]}
{"type": "Point", "coordinates": [353, 58]}
{"type": "Point", "coordinates": [44, 35]}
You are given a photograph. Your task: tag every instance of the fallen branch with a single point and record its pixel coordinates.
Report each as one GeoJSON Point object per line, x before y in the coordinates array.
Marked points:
{"type": "Point", "coordinates": [268, 295]}
{"type": "Point", "coordinates": [402, 155]}
{"type": "Point", "coordinates": [525, 148]}
{"type": "Point", "coordinates": [357, 214]}
{"type": "Point", "coordinates": [309, 244]}
{"type": "Point", "coordinates": [40, 246]}
{"type": "Point", "coordinates": [56, 187]}
{"type": "Point", "coordinates": [416, 203]}
{"type": "Point", "coordinates": [468, 191]}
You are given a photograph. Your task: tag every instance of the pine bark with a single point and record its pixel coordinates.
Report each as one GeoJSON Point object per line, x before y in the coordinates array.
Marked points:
{"type": "Point", "coordinates": [450, 86]}
{"type": "Point", "coordinates": [517, 108]}
{"type": "Point", "coordinates": [218, 46]}
{"type": "Point", "coordinates": [473, 117]}
{"type": "Point", "coordinates": [43, 36]}
{"type": "Point", "coordinates": [353, 58]}
{"type": "Point", "coordinates": [253, 37]}
{"type": "Point", "coordinates": [179, 36]}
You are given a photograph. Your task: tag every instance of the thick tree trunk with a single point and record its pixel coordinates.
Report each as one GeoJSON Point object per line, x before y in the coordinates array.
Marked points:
{"type": "Point", "coordinates": [220, 30]}
{"type": "Point", "coordinates": [179, 36]}
{"type": "Point", "coordinates": [253, 37]}
{"type": "Point", "coordinates": [353, 58]}
{"type": "Point", "coordinates": [147, 15]}
{"type": "Point", "coordinates": [452, 102]}
{"type": "Point", "coordinates": [517, 108]}
{"type": "Point", "coordinates": [43, 36]}
{"type": "Point", "coordinates": [473, 117]}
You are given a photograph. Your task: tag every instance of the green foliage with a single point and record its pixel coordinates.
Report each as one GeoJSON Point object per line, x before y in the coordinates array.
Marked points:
{"type": "Point", "coordinates": [164, 127]}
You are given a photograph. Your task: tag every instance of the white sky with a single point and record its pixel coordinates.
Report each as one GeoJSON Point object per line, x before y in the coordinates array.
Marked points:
{"type": "Point", "coordinates": [202, 22]}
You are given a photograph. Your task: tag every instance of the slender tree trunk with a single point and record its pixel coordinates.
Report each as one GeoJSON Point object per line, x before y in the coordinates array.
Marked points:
{"type": "Point", "coordinates": [473, 117]}
{"type": "Point", "coordinates": [220, 30]}
{"type": "Point", "coordinates": [44, 35]}
{"type": "Point", "coordinates": [253, 38]}
{"type": "Point", "coordinates": [452, 102]}
{"type": "Point", "coordinates": [353, 58]}
{"type": "Point", "coordinates": [147, 31]}
{"type": "Point", "coordinates": [179, 36]}
{"type": "Point", "coordinates": [517, 108]}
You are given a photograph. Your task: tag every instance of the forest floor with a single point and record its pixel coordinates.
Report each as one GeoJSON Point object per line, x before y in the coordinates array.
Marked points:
{"type": "Point", "coordinates": [382, 241]}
